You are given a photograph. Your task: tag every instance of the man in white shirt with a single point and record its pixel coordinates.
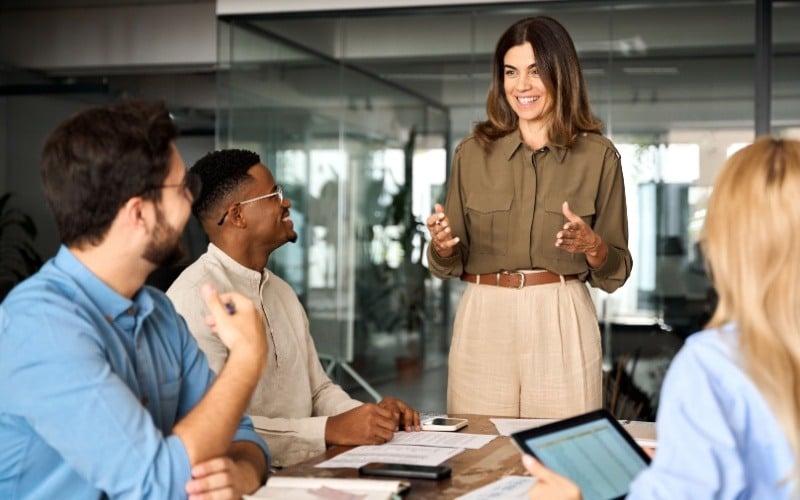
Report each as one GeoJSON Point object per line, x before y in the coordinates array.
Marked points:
{"type": "Point", "coordinates": [295, 406]}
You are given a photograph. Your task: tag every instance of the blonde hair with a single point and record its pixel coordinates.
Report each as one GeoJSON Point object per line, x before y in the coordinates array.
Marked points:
{"type": "Point", "coordinates": [752, 233]}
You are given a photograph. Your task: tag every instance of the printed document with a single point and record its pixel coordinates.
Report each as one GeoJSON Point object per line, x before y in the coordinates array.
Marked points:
{"type": "Point", "coordinates": [507, 488]}
{"type": "Point", "coordinates": [442, 439]}
{"type": "Point", "coordinates": [322, 488]}
{"type": "Point", "coordinates": [392, 453]}
{"type": "Point", "coordinates": [508, 426]}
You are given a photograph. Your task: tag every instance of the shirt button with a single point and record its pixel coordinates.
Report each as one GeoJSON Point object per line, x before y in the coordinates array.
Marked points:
{"type": "Point", "coordinates": [130, 311]}
{"type": "Point", "coordinates": [145, 400]}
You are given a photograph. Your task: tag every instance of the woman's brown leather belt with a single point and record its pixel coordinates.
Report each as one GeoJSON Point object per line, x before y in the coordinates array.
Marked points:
{"type": "Point", "coordinates": [516, 279]}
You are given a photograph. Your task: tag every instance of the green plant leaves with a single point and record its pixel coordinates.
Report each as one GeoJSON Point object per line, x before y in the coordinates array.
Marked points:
{"type": "Point", "coordinates": [18, 256]}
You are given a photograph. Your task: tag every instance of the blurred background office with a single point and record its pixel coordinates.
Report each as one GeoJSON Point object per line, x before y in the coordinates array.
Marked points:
{"type": "Point", "coordinates": [356, 105]}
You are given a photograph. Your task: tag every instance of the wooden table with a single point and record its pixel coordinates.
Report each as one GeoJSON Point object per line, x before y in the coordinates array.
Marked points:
{"type": "Point", "coordinates": [471, 468]}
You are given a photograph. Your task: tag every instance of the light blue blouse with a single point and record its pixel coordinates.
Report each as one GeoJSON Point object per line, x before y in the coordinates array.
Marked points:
{"type": "Point", "coordinates": [717, 437]}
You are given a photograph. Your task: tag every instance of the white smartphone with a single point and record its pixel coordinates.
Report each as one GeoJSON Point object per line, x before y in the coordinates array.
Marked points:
{"type": "Point", "coordinates": [444, 424]}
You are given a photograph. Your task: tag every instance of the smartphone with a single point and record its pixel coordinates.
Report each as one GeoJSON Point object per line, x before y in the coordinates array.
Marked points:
{"type": "Point", "coordinates": [405, 470]}
{"type": "Point", "coordinates": [444, 424]}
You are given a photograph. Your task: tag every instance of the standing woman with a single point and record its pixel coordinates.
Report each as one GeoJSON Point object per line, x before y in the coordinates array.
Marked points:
{"type": "Point", "coordinates": [535, 208]}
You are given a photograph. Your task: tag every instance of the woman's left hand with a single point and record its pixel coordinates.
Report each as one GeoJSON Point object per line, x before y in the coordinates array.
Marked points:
{"type": "Point", "coordinates": [549, 485]}
{"type": "Point", "coordinates": [577, 237]}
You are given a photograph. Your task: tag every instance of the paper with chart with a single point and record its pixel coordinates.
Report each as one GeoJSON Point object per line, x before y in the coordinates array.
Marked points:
{"type": "Point", "coordinates": [392, 453]}
{"type": "Point", "coordinates": [442, 439]}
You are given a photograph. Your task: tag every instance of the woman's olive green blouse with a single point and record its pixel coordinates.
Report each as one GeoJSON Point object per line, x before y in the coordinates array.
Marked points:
{"type": "Point", "coordinates": [505, 206]}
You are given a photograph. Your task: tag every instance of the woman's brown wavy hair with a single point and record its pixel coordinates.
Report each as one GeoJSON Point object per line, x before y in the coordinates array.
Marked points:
{"type": "Point", "coordinates": [560, 71]}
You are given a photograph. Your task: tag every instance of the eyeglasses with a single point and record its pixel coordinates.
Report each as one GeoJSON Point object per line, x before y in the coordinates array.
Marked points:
{"type": "Point", "coordinates": [278, 192]}
{"type": "Point", "coordinates": [191, 184]}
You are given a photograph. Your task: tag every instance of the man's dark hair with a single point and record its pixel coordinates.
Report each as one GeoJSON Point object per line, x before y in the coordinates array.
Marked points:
{"type": "Point", "coordinates": [98, 159]}
{"type": "Point", "coordinates": [221, 173]}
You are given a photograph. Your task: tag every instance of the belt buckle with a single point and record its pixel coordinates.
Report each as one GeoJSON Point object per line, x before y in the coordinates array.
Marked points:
{"type": "Point", "coordinates": [521, 278]}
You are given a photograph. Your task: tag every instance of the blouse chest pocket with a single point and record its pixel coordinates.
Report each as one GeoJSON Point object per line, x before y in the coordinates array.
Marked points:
{"type": "Point", "coordinates": [555, 219]}
{"type": "Point", "coordinates": [488, 216]}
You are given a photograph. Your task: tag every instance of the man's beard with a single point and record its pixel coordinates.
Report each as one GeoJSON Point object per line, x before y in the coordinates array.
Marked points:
{"type": "Point", "coordinates": [166, 247]}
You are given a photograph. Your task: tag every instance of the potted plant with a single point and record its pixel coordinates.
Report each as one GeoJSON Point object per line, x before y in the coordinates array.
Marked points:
{"type": "Point", "coordinates": [18, 257]}
{"type": "Point", "coordinates": [413, 300]}
{"type": "Point", "coordinates": [391, 291]}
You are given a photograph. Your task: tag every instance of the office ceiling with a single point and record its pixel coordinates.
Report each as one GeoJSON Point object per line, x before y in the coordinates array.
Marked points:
{"type": "Point", "coordinates": [649, 66]}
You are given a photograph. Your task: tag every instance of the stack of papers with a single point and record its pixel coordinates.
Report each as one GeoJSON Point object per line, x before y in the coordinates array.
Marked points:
{"type": "Point", "coordinates": [413, 448]}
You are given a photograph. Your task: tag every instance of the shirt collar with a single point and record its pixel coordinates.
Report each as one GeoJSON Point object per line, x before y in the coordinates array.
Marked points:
{"type": "Point", "coordinates": [235, 269]}
{"type": "Point", "coordinates": [511, 143]}
{"type": "Point", "coordinates": [112, 304]}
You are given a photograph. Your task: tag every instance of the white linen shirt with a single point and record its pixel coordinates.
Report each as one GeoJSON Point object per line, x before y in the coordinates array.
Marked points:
{"type": "Point", "coordinates": [294, 397]}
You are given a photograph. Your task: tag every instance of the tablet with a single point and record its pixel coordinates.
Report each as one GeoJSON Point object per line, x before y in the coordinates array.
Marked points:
{"type": "Point", "coordinates": [593, 450]}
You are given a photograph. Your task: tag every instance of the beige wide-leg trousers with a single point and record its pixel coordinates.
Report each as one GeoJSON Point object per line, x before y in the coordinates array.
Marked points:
{"type": "Point", "coordinates": [528, 353]}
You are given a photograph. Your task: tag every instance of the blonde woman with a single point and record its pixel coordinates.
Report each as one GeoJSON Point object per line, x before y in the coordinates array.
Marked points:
{"type": "Point", "coordinates": [729, 419]}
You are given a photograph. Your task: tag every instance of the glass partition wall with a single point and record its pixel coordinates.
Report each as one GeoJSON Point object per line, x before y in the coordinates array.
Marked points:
{"type": "Point", "coordinates": [361, 160]}
{"type": "Point", "coordinates": [347, 107]}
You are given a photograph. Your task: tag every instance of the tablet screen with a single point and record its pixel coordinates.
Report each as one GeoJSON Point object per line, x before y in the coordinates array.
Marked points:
{"type": "Point", "coordinates": [595, 454]}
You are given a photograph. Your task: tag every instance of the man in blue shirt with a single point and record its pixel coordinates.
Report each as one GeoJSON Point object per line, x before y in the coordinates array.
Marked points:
{"type": "Point", "coordinates": [103, 391]}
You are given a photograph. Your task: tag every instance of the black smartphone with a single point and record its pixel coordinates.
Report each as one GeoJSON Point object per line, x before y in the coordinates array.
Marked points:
{"type": "Point", "coordinates": [405, 470]}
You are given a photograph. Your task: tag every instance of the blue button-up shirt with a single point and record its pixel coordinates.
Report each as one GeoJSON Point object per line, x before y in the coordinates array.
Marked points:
{"type": "Point", "coordinates": [91, 385]}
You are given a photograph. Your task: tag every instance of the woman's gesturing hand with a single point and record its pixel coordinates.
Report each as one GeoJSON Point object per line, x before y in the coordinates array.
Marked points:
{"type": "Point", "coordinates": [442, 239]}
